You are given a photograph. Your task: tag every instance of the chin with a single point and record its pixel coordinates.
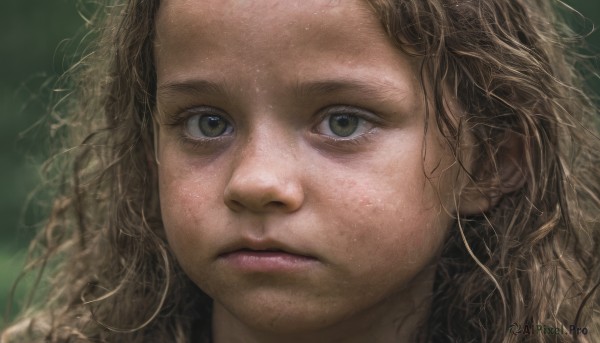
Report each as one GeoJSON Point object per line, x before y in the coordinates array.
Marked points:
{"type": "Point", "coordinates": [283, 315]}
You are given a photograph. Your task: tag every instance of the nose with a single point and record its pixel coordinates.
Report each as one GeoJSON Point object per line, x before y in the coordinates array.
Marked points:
{"type": "Point", "coordinates": [264, 179]}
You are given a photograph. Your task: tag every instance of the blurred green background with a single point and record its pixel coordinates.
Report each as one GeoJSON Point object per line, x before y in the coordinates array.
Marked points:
{"type": "Point", "coordinates": [38, 40]}
{"type": "Point", "coordinates": [34, 49]}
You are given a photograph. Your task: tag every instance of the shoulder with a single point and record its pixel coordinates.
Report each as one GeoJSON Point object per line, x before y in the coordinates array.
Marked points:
{"type": "Point", "coordinates": [25, 330]}
{"type": "Point", "coordinates": [41, 330]}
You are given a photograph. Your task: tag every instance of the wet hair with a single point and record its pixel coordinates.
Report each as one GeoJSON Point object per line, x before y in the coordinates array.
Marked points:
{"type": "Point", "coordinates": [531, 259]}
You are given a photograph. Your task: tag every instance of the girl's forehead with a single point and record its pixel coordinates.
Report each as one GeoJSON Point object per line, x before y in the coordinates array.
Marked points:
{"type": "Point", "coordinates": [267, 10]}
{"type": "Point", "coordinates": [240, 20]}
{"type": "Point", "coordinates": [270, 43]}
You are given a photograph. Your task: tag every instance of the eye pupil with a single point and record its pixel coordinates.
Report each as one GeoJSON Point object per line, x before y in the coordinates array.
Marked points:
{"type": "Point", "coordinates": [343, 125]}
{"type": "Point", "coordinates": [212, 125]}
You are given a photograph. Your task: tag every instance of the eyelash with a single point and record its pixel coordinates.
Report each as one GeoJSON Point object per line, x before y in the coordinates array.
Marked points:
{"type": "Point", "coordinates": [180, 119]}
{"type": "Point", "coordinates": [337, 143]}
{"type": "Point", "coordinates": [365, 116]}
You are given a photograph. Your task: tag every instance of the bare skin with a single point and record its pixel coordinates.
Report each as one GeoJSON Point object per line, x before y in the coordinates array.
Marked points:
{"type": "Point", "coordinates": [293, 187]}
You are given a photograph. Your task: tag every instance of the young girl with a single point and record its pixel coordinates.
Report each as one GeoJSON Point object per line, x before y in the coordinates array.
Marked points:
{"type": "Point", "coordinates": [325, 171]}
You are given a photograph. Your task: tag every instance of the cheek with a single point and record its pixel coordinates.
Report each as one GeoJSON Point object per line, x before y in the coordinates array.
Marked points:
{"type": "Point", "coordinates": [405, 230]}
{"type": "Point", "coordinates": [389, 222]}
{"type": "Point", "coordinates": [187, 201]}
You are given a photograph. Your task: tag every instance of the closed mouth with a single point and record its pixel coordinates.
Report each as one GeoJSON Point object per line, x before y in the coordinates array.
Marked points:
{"type": "Point", "coordinates": [267, 251]}
{"type": "Point", "coordinates": [260, 247]}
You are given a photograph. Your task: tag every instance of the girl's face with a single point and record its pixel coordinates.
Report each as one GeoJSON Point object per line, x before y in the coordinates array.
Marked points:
{"type": "Point", "coordinates": [293, 186]}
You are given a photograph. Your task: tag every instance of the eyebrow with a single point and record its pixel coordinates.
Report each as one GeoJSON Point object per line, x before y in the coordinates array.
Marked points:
{"type": "Point", "coordinates": [377, 89]}
{"type": "Point", "coordinates": [195, 87]}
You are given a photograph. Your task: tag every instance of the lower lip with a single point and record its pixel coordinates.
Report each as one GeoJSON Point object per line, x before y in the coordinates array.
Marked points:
{"type": "Point", "coordinates": [267, 261]}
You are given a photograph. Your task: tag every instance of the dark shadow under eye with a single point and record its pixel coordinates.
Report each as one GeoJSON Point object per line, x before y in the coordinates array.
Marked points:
{"type": "Point", "coordinates": [343, 125]}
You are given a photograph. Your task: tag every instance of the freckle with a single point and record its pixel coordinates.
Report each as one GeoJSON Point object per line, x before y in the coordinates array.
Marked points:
{"type": "Point", "coordinates": [192, 195]}
{"type": "Point", "coordinates": [365, 201]}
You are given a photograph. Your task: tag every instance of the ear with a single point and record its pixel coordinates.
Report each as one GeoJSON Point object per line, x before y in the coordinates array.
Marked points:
{"type": "Point", "coordinates": [503, 174]}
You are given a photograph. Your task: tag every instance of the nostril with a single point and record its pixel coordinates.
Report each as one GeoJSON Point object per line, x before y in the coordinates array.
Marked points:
{"type": "Point", "coordinates": [276, 204]}
{"type": "Point", "coordinates": [235, 205]}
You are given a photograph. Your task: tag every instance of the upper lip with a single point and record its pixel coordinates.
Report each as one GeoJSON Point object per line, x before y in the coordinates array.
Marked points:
{"type": "Point", "coordinates": [262, 244]}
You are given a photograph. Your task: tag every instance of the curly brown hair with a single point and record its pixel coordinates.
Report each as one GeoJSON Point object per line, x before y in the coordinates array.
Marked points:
{"type": "Point", "coordinates": [532, 259]}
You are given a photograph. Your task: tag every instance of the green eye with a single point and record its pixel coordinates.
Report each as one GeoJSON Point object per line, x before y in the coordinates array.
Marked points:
{"type": "Point", "coordinates": [343, 125]}
{"type": "Point", "coordinates": [207, 126]}
{"type": "Point", "coordinates": [212, 126]}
